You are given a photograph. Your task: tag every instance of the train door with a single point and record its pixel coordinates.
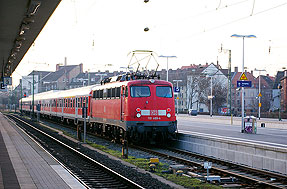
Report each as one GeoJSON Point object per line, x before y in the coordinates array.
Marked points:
{"type": "Point", "coordinates": [123, 102]}
{"type": "Point", "coordinates": [62, 106]}
{"type": "Point", "coordinates": [76, 107]}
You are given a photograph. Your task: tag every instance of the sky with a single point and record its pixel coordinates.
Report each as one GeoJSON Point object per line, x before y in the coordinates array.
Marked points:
{"type": "Point", "coordinates": [101, 33]}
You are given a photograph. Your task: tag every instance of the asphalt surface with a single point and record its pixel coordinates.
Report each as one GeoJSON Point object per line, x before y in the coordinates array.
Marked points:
{"type": "Point", "coordinates": [274, 134]}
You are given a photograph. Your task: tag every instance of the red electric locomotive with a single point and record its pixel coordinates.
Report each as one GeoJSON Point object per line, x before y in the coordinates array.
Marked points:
{"type": "Point", "coordinates": [139, 110]}
{"type": "Point", "coordinates": [144, 109]}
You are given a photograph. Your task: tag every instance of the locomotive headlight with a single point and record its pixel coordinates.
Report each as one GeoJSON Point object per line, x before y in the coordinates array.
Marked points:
{"type": "Point", "coordinates": [138, 110]}
{"type": "Point", "coordinates": [168, 110]}
{"type": "Point", "coordinates": [138, 115]}
{"type": "Point", "coordinates": [168, 115]}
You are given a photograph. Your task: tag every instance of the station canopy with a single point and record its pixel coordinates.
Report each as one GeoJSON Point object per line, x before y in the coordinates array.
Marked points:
{"type": "Point", "coordinates": [20, 24]}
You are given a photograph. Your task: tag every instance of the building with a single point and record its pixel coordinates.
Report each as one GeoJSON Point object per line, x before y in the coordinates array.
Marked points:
{"type": "Point", "coordinates": [283, 83]}
{"type": "Point", "coordinates": [206, 82]}
{"type": "Point", "coordinates": [276, 92]}
{"type": "Point", "coordinates": [62, 77]}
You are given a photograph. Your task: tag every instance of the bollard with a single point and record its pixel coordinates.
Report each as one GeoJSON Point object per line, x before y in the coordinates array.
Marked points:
{"type": "Point", "coordinates": [179, 173]}
{"type": "Point", "coordinates": [125, 149]}
{"type": "Point", "coordinates": [152, 167]}
{"type": "Point", "coordinates": [79, 133]}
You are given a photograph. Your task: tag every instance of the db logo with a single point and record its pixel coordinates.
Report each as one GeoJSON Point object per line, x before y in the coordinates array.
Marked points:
{"type": "Point", "coordinates": [153, 112]}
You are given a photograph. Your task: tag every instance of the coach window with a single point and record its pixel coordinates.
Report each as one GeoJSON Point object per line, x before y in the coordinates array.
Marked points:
{"type": "Point", "coordinates": [105, 93]}
{"type": "Point", "coordinates": [101, 94]}
{"type": "Point", "coordinates": [164, 91]}
{"type": "Point", "coordinates": [126, 92]}
{"type": "Point", "coordinates": [113, 92]}
{"type": "Point", "coordinates": [118, 92]}
{"type": "Point", "coordinates": [140, 91]}
{"type": "Point", "coordinates": [71, 103]}
{"type": "Point", "coordinates": [87, 100]}
{"type": "Point", "coordinates": [109, 93]}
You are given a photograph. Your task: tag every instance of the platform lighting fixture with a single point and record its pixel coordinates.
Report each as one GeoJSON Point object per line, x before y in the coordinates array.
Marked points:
{"type": "Point", "coordinates": [33, 8]}
{"type": "Point", "coordinates": [242, 91]}
{"type": "Point", "coordinates": [28, 20]}
{"type": "Point", "coordinates": [167, 57]}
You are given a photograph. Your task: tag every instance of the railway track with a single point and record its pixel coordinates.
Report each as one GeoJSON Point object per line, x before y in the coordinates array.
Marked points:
{"type": "Point", "coordinates": [248, 177]}
{"type": "Point", "coordinates": [89, 172]}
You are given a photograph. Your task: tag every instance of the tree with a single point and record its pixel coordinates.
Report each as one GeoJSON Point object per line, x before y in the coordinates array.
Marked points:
{"type": "Point", "coordinates": [196, 89]}
{"type": "Point", "coordinates": [220, 94]}
{"type": "Point", "coordinates": [219, 91]}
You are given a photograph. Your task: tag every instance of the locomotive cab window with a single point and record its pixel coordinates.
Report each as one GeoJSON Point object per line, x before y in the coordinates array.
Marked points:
{"type": "Point", "coordinates": [164, 91]}
{"type": "Point", "coordinates": [140, 91]}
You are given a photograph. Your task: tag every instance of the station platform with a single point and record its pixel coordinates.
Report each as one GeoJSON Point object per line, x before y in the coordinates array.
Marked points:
{"type": "Point", "coordinates": [24, 164]}
{"type": "Point", "coordinates": [273, 134]}
{"type": "Point", "coordinates": [216, 137]}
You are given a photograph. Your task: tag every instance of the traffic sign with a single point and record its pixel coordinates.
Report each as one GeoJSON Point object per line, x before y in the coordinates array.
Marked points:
{"type": "Point", "coordinates": [243, 77]}
{"type": "Point", "coordinates": [260, 104]}
{"type": "Point", "coordinates": [244, 83]}
{"type": "Point", "coordinates": [207, 165]}
{"type": "Point", "coordinates": [7, 80]}
{"type": "Point", "coordinates": [176, 89]}
{"type": "Point", "coordinates": [259, 95]}
{"type": "Point", "coordinates": [3, 88]}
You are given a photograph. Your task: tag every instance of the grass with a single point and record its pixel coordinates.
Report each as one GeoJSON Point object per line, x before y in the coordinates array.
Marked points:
{"type": "Point", "coordinates": [144, 164]}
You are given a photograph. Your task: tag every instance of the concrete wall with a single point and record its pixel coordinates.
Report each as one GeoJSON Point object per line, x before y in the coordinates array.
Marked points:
{"type": "Point", "coordinates": [254, 155]}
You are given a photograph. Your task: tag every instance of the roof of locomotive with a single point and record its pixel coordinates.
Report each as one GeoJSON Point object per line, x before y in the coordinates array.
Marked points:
{"type": "Point", "coordinates": [131, 82]}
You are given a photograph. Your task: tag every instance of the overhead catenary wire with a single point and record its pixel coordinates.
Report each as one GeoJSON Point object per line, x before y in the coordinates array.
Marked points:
{"type": "Point", "coordinates": [236, 20]}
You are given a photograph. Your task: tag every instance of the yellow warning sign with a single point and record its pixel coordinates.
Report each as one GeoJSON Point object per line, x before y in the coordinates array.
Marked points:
{"type": "Point", "coordinates": [243, 77]}
{"type": "Point", "coordinates": [259, 104]}
{"type": "Point", "coordinates": [259, 95]}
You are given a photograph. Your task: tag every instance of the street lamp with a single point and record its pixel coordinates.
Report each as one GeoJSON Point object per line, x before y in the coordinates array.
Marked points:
{"type": "Point", "coordinates": [167, 57]}
{"type": "Point", "coordinates": [177, 94]}
{"type": "Point", "coordinates": [280, 87]}
{"type": "Point", "coordinates": [259, 93]}
{"type": "Point", "coordinates": [211, 96]}
{"type": "Point", "coordinates": [242, 91]}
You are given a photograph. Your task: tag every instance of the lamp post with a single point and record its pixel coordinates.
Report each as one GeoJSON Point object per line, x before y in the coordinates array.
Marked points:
{"type": "Point", "coordinates": [211, 96]}
{"type": "Point", "coordinates": [177, 95]}
{"type": "Point", "coordinates": [259, 92]}
{"type": "Point", "coordinates": [33, 96]}
{"type": "Point", "coordinates": [167, 57]}
{"type": "Point", "coordinates": [242, 91]}
{"type": "Point", "coordinates": [21, 94]}
{"type": "Point", "coordinates": [280, 87]}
